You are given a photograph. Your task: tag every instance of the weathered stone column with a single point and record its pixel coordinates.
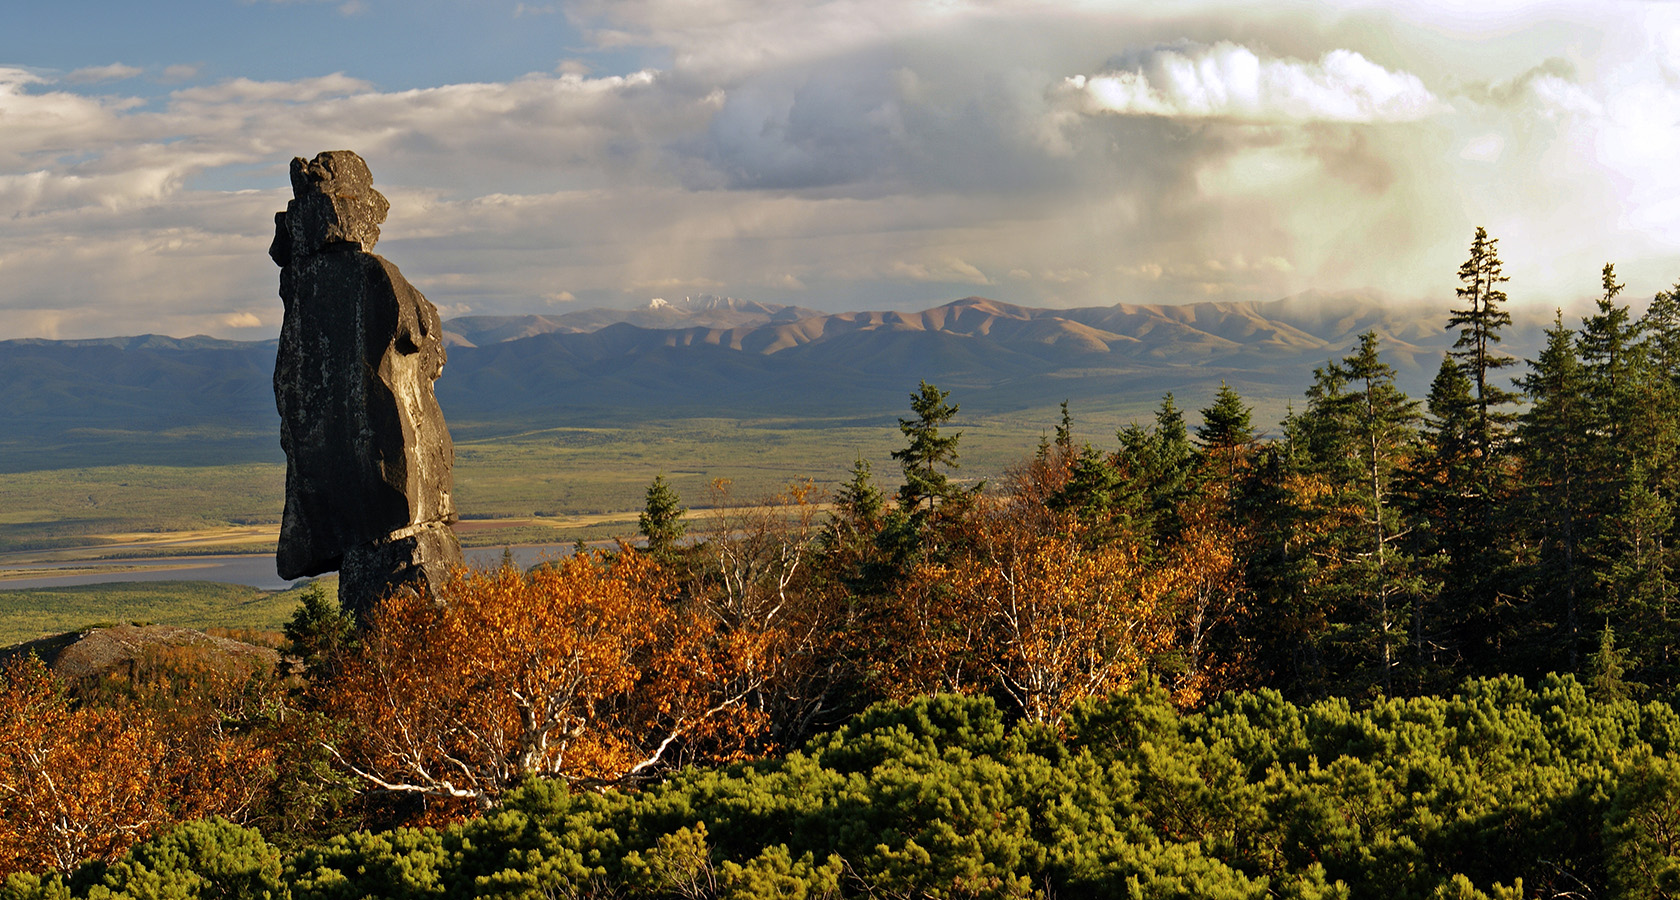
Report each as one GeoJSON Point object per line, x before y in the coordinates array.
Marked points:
{"type": "Point", "coordinates": [369, 462]}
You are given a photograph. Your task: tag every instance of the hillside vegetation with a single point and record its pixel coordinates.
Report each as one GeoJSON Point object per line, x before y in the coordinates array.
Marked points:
{"type": "Point", "coordinates": [1498, 791]}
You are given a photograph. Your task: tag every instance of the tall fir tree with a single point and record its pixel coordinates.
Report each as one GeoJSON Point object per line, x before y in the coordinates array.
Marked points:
{"type": "Point", "coordinates": [930, 509]}
{"type": "Point", "coordinates": [1631, 398]}
{"type": "Point", "coordinates": [847, 545]}
{"type": "Point", "coordinates": [1639, 575]}
{"type": "Point", "coordinates": [1555, 443]}
{"type": "Point", "coordinates": [1365, 429]}
{"type": "Point", "coordinates": [1440, 511]}
{"type": "Point", "coordinates": [1276, 506]}
{"type": "Point", "coordinates": [1612, 356]}
{"type": "Point", "coordinates": [1479, 597]}
{"type": "Point", "coordinates": [858, 500]}
{"type": "Point", "coordinates": [1661, 325]}
{"type": "Point", "coordinates": [1154, 464]}
{"type": "Point", "coordinates": [1226, 436]}
{"type": "Point", "coordinates": [1479, 323]}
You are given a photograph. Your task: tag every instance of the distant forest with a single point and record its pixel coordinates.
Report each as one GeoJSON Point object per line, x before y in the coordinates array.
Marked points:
{"type": "Point", "coordinates": [1408, 648]}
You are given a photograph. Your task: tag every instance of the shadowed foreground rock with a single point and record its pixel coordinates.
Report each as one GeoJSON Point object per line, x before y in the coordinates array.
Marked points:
{"type": "Point", "coordinates": [368, 457]}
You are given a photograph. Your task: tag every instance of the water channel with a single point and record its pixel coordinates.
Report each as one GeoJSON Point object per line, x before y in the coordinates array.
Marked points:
{"type": "Point", "coordinates": [256, 570]}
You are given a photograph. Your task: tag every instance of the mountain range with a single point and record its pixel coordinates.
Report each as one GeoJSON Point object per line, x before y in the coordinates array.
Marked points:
{"type": "Point", "coordinates": [144, 398]}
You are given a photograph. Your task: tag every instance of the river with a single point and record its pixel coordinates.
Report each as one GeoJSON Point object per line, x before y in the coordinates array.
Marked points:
{"type": "Point", "coordinates": [256, 570]}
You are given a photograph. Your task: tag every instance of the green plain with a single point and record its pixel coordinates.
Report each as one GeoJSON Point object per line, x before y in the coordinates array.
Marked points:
{"type": "Point", "coordinates": [30, 613]}
{"type": "Point", "coordinates": [551, 473]}
{"type": "Point", "coordinates": [548, 485]}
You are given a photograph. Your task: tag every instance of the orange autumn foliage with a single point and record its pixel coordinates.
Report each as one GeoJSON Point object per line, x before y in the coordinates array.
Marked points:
{"type": "Point", "coordinates": [74, 783]}
{"type": "Point", "coordinates": [582, 670]}
{"type": "Point", "coordinates": [1033, 613]}
{"type": "Point", "coordinates": [1200, 586]}
{"type": "Point", "coordinates": [81, 779]}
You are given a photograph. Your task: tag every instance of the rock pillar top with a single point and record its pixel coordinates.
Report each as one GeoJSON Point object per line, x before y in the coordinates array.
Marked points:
{"type": "Point", "coordinates": [334, 206]}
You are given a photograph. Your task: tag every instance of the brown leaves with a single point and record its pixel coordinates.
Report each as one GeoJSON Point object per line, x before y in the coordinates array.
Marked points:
{"type": "Point", "coordinates": [1033, 613]}
{"type": "Point", "coordinates": [582, 671]}
{"type": "Point", "coordinates": [74, 783]}
{"type": "Point", "coordinates": [84, 781]}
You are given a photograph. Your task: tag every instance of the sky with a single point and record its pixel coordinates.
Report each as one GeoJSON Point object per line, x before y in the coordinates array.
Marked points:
{"type": "Point", "coordinates": [543, 157]}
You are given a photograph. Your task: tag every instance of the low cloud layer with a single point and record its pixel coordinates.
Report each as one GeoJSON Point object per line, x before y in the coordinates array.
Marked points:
{"type": "Point", "coordinates": [866, 153]}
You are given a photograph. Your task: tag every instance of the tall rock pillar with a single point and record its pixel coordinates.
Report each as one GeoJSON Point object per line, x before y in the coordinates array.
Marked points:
{"type": "Point", "coordinates": [368, 458]}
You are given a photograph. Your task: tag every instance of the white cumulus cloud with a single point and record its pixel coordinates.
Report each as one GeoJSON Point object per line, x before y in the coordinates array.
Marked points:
{"type": "Point", "coordinates": [1230, 81]}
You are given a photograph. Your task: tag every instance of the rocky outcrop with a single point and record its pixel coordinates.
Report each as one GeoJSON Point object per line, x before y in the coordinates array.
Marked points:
{"type": "Point", "coordinates": [369, 462]}
{"type": "Point", "coordinates": [125, 650]}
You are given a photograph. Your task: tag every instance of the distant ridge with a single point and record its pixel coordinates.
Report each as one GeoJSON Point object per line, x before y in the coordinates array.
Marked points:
{"type": "Point", "coordinates": [702, 311]}
{"type": "Point", "coordinates": [1207, 331]}
{"type": "Point", "coordinates": [151, 398]}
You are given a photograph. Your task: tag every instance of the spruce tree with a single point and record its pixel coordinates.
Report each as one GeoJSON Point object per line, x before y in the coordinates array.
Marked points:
{"type": "Point", "coordinates": [1612, 356]}
{"type": "Point", "coordinates": [1444, 466]}
{"type": "Point", "coordinates": [1479, 323]}
{"type": "Point", "coordinates": [1609, 670]}
{"type": "Point", "coordinates": [1154, 465]}
{"type": "Point", "coordinates": [1661, 325]}
{"type": "Point", "coordinates": [1106, 502]}
{"type": "Point", "coordinates": [1440, 511]}
{"type": "Point", "coordinates": [929, 453]}
{"type": "Point", "coordinates": [858, 500]}
{"type": "Point", "coordinates": [1479, 593]}
{"type": "Point", "coordinates": [1172, 439]}
{"type": "Point", "coordinates": [1227, 423]}
{"type": "Point", "coordinates": [1555, 446]}
{"type": "Point", "coordinates": [661, 520]}
{"type": "Point", "coordinates": [1226, 435]}
{"type": "Point", "coordinates": [848, 543]}
{"type": "Point", "coordinates": [1366, 428]}
{"type": "Point", "coordinates": [1289, 624]}
{"type": "Point", "coordinates": [1639, 573]}
{"type": "Point", "coordinates": [1064, 430]}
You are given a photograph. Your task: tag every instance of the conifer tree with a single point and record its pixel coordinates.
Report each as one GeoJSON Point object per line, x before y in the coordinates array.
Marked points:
{"type": "Point", "coordinates": [1226, 435]}
{"type": "Point", "coordinates": [858, 500]}
{"type": "Point", "coordinates": [848, 542]}
{"type": "Point", "coordinates": [1555, 446]}
{"type": "Point", "coordinates": [1275, 504]}
{"type": "Point", "coordinates": [1227, 423]}
{"type": "Point", "coordinates": [1609, 670]}
{"type": "Point", "coordinates": [1479, 592]}
{"type": "Point", "coordinates": [1155, 463]}
{"type": "Point", "coordinates": [1639, 571]}
{"type": "Point", "coordinates": [1101, 498]}
{"type": "Point", "coordinates": [1383, 424]}
{"type": "Point", "coordinates": [661, 520]}
{"type": "Point", "coordinates": [927, 502]}
{"type": "Point", "coordinates": [1436, 497]}
{"type": "Point", "coordinates": [1172, 439]}
{"type": "Point", "coordinates": [1064, 430]}
{"type": "Point", "coordinates": [929, 453]}
{"type": "Point", "coordinates": [1366, 428]}
{"type": "Point", "coordinates": [1479, 323]}
{"type": "Point", "coordinates": [1444, 465]}
{"type": "Point", "coordinates": [1612, 356]}
{"type": "Point", "coordinates": [1661, 326]}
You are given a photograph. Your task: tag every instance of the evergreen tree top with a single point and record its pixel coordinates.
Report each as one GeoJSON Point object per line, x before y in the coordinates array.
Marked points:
{"type": "Point", "coordinates": [1227, 422]}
